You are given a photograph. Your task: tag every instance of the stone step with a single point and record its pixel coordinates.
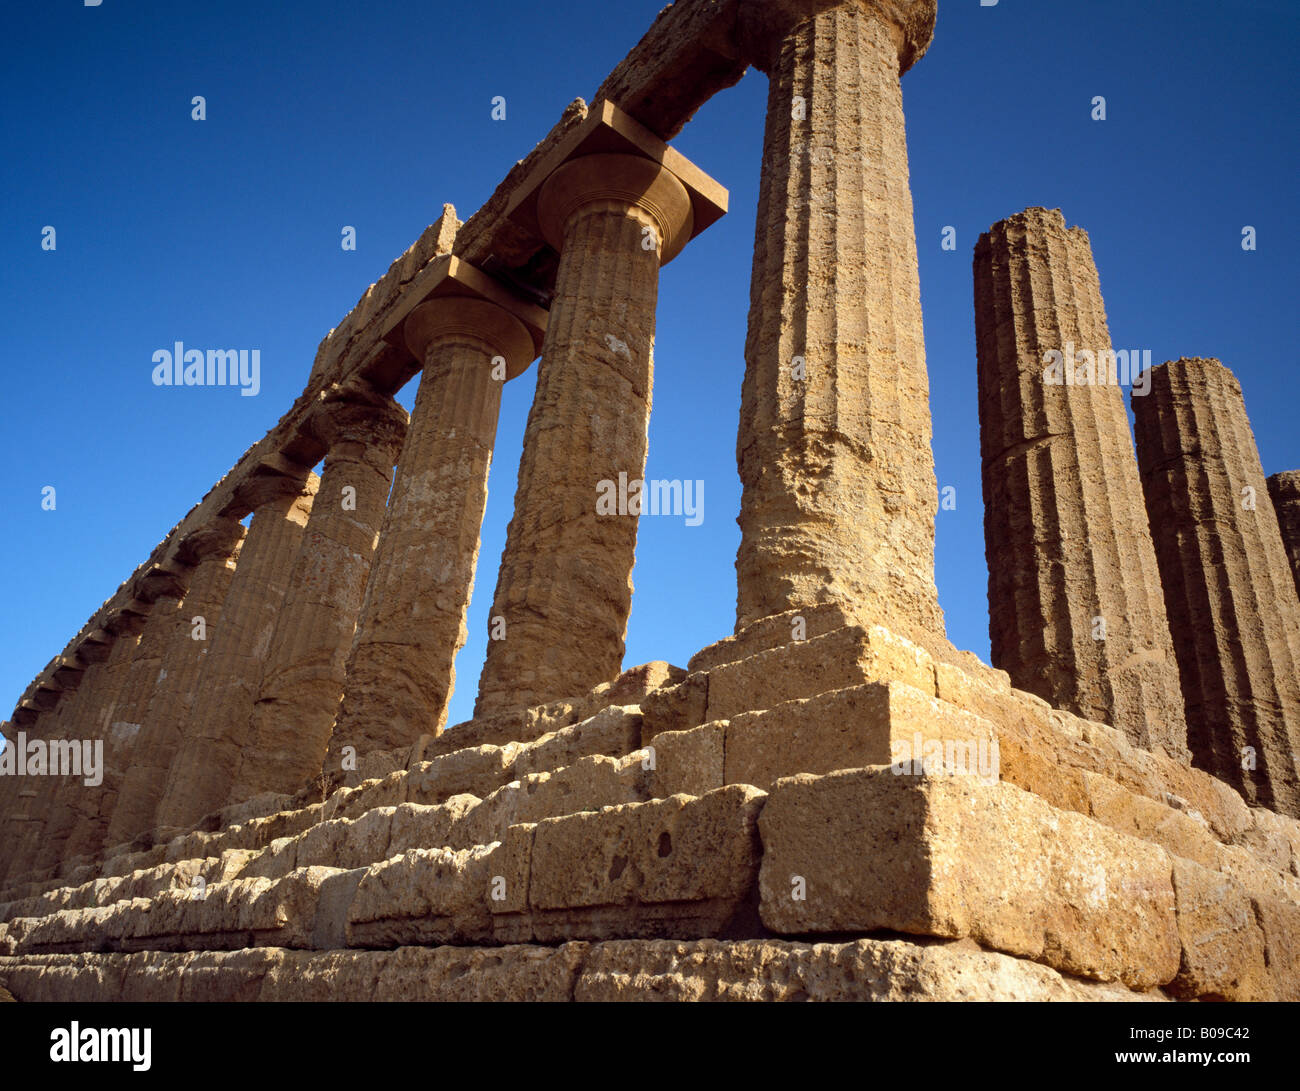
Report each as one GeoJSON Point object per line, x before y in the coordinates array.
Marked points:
{"type": "Point", "coordinates": [880, 723]}
{"type": "Point", "coordinates": [618, 970]}
{"type": "Point", "coordinates": [613, 731]}
{"type": "Point", "coordinates": [838, 659]}
{"type": "Point", "coordinates": [375, 835]}
{"type": "Point", "coordinates": [946, 856]}
{"type": "Point", "coordinates": [681, 868]}
{"type": "Point", "coordinates": [1053, 754]}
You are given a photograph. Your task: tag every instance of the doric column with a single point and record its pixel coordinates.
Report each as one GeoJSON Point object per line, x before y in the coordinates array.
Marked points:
{"type": "Point", "coordinates": [1076, 613]}
{"type": "Point", "coordinates": [42, 815]}
{"type": "Point", "coordinates": [119, 729]}
{"type": "Point", "coordinates": [1284, 491]}
{"type": "Point", "coordinates": [85, 716]}
{"type": "Point", "coordinates": [211, 554]}
{"type": "Point", "coordinates": [204, 769]}
{"type": "Point", "coordinates": [564, 589]}
{"type": "Point", "coordinates": [42, 819]}
{"type": "Point", "coordinates": [400, 672]}
{"type": "Point", "coordinates": [303, 681]}
{"type": "Point", "coordinates": [839, 493]}
{"type": "Point", "coordinates": [1228, 587]}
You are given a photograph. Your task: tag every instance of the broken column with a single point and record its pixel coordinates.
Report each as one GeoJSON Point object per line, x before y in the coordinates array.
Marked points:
{"type": "Point", "coordinates": [839, 495]}
{"type": "Point", "coordinates": [279, 495]}
{"type": "Point", "coordinates": [361, 431]}
{"type": "Point", "coordinates": [470, 336]}
{"type": "Point", "coordinates": [211, 553]}
{"type": "Point", "coordinates": [616, 203]}
{"type": "Point", "coordinates": [1227, 583]}
{"type": "Point", "coordinates": [1076, 614]}
{"type": "Point", "coordinates": [1284, 491]}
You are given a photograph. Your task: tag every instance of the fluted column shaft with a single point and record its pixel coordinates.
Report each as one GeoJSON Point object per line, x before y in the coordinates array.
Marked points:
{"type": "Point", "coordinates": [1076, 614]}
{"type": "Point", "coordinates": [304, 676]}
{"type": "Point", "coordinates": [59, 803]}
{"type": "Point", "coordinates": [172, 701]}
{"type": "Point", "coordinates": [400, 672]}
{"type": "Point", "coordinates": [45, 820]}
{"type": "Point", "coordinates": [1227, 583]}
{"type": "Point", "coordinates": [564, 589]}
{"type": "Point", "coordinates": [207, 761]}
{"type": "Point", "coordinates": [1284, 491]}
{"type": "Point", "coordinates": [839, 493]}
{"type": "Point", "coordinates": [121, 729]}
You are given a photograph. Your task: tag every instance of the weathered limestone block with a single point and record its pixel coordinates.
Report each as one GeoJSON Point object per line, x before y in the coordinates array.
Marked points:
{"type": "Point", "coordinates": [688, 762]}
{"type": "Point", "coordinates": [1227, 581]}
{"type": "Point", "coordinates": [478, 770]}
{"type": "Point", "coordinates": [772, 632]}
{"type": "Point", "coordinates": [1274, 839]}
{"type": "Point", "coordinates": [1075, 610]}
{"type": "Point", "coordinates": [302, 682]}
{"type": "Point", "coordinates": [347, 843]}
{"type": "Point", "coordinates": [946, 856]}
{"type": "Point", "coordinates": [673, 868]}
{"type": "Point", "coordinates": [839, 493]}
{"type": "Point", "coordinates": [589, 785]}
{"type": "Point", "coordinates": [1275, 902]}
{"type": "Point", "coordinates": [865, 969]}
{"type": "Point", "coordinates": [1178, 833]}
{"type": "Point", "coordinates": [619, 970]}
{"type": "Point", "coordinates": [424, 897]}
{"type": "Point", "coordinates": [213, 552]}
{"type": "Point", "coordinates": [1284, 491]}
{"type": "Point", "coordinates": [876, 724]}
{"type": "Point", "coordinates": [612, 732]}
{"type": "Point", "coordinates": [207, 760]}
{"type": "Point", "coordinates": [676, 708]}
{"type": "Point", "coordinates": [400, 672]}
{"type": "Point", "coordinates": [416, 826]}
{"type": "Point", "coordinates": [806, 668]}
{"type": "Point", "coordinates": [1223, 947]}
{"type": "Point", "coordinates": [564, 588]}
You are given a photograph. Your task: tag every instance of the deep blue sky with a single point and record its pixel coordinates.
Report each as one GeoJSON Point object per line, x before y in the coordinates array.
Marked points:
{"type": "Point", "coordinates": [225, 233]}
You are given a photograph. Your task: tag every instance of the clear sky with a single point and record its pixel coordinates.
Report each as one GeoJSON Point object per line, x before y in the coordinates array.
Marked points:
{"type": "Point", "coordinates": [225, 233]}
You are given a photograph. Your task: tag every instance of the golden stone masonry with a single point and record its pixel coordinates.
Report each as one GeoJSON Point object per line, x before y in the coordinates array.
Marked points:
{"type": "Point", "coordinates": [830, 802]}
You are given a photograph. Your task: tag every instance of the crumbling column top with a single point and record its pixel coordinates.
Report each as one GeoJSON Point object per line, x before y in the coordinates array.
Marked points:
{"type": "Point", "coordinates": [358, 414]}
{"type": "Point", "coordinates": [221, 537]}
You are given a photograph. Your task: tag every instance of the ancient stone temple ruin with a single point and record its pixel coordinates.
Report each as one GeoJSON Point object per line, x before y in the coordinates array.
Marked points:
{"type": "Point", "coordinates": [831, 802]}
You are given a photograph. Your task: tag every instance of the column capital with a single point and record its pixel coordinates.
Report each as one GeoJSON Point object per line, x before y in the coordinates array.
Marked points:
{"type": "Point", "coordinates": [358, 415]}
{"type": "Point", "coordinates": [448, 277]}
{"type": "Point", "coordinates": [764, 24]}
{"type": "Point", "coordinates": [458, 316]}
{"type": "Point", "coordinates": [608, 131]}
{"type": "Point", "coordinates": [620, 180]}
{"type": "Point", "coordinates": [268, 484]}
{"type": "Point", "coordinates": [95, 647]}
{"type": "Point", "coordinates": [220, 538]}
{"type": "Point", "coordinates": [158, 582]}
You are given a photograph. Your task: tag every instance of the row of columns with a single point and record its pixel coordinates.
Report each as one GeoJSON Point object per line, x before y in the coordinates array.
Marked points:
{"type": "Point", "coordinates": [234, 685]}
{"type": "Point", "coordinates": [1149, 589]}
{"type": "Point", "coordinates": [839, 292]}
